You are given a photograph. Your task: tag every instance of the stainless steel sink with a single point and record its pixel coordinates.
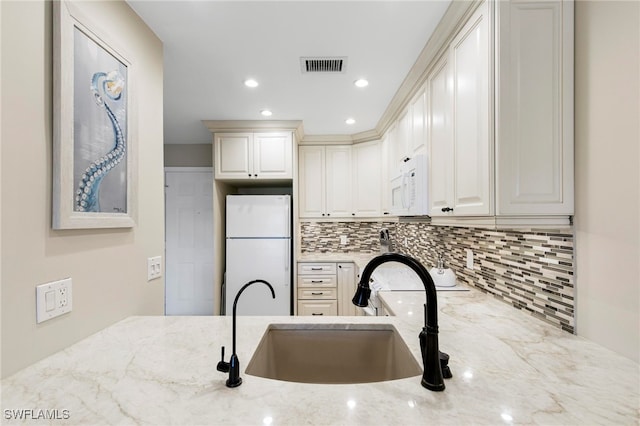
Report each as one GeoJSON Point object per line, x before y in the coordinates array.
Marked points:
{"type": "Point", "coordinates": [333, 353]}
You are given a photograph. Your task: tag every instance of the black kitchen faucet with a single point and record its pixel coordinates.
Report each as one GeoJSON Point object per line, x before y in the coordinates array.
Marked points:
{"type": "Point", "coordinates": [435, 362]}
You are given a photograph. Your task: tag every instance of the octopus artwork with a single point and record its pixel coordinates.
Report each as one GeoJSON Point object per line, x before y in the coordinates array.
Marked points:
{"type": "Point", "coordinates": [110, 86]}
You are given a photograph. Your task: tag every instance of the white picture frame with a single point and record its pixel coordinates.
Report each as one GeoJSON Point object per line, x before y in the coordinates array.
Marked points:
{"type": "Point", "coordinates": [95, 125]}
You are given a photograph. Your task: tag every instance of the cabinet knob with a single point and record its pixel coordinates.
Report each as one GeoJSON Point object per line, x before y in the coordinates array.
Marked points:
{"type": "Point", "coordinates": [353, 214]}
{"type": "Point", "coordinates": [385, 213]}
{"type": "Point", "coordinates": [446, 209]}
{"type": "Point", "coordinates": [256, 175]}
{"type": "Point", "coordinates": [328, 214]}
{"type": "Point", "coordinates": [249, 174]}
{"type": "Point", "coordinates": [405, 159]}
{"type": "Point", "coordinates": [322, 214]}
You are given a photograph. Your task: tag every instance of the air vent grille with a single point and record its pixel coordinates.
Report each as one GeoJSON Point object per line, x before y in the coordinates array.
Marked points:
{"type": "Point", "coordinates": [323, 64]}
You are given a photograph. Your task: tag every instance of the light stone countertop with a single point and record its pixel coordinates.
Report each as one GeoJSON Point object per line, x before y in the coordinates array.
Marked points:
{"type": "Point", "coordinates": [508, 368]}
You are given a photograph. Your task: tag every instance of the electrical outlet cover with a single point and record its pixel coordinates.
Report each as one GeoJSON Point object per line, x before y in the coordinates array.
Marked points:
{"type": "Point", "coordinates": [53, 299]}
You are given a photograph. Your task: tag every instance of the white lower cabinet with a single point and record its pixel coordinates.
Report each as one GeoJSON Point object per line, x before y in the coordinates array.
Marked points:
{"type": "Point", "coordinates": [325, 288]}
{"type": "Point", "coordinates": [317, 307]}
{"type": "Point", "coordinates": [347, 288]}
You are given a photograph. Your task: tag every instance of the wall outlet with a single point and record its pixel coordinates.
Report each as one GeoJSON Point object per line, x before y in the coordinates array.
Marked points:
{"type": "Point", "coordinates": [343, 240]}
{"type": "Point", "coordinates": [469, 259]}
{"type": "Point", "coordinates": [53, 299]}
{"type": "Point", "coordinates": [154, 268]}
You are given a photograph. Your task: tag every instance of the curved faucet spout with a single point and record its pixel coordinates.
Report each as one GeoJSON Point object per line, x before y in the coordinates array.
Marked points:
{"type": "Point", "coordinates": [234, 365]}
{"type": "Point", "coordinates": [432, 377]}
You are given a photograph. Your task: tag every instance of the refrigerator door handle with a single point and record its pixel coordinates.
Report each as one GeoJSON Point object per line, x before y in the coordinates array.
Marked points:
{"type": "Point", "coordinates": [288, 219]}
{"type": "Point", "coordinates": [287, 257]}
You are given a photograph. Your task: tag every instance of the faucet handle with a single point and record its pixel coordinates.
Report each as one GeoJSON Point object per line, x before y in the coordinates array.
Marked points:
{"type": "Point", "coordinates": [222, 365]}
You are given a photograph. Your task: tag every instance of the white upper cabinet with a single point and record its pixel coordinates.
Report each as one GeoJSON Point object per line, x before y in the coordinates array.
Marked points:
{"type": "Point", "coordinates": [340, 181]}
{"type": "Point", "coordinates": [272, 155]}
{"type": "Point", "coordinates": [534, 139]}
{"type": "Point", "coordinates": [409, 134]}
{"type": "Point", "coordinates": [233, 159]}
{"type": "Point", "coordinates": [324, 181]}
{"type": "Point", "coordinates": [469, 62]}
{"type": "Point", "coordinates": [338, 178]}
{"type": "Point", "coordinates": [367, 179]}
{"type": "Point", "coordinates": [241, 156]}
{"type": "Point", "coordinates": [311, 181]}
{"type": "Point", "coordinates": [418, 139]}
{"type": "Point", "coordinates": [440, 134]}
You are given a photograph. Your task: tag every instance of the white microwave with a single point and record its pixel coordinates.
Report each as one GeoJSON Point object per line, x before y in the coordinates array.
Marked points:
{"type": "Point", "coordinates": [409, 189]}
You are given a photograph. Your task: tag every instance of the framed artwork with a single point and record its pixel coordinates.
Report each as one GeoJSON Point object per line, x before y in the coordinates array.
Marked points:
{"type": "Point", "coordinates": [94, 161]}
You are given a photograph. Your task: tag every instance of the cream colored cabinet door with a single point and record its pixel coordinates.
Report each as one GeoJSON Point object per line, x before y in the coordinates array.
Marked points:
{"type": "Point", "coordinates": [233, 155]}
{"type": "Point", "coordinates": [367, 179]}
{"type": "Point", "coordinates": [317, 307]}
{"type": "Point", "coordinates": [401, 135]}
{"type": "Point", "coordinates": [385, 187]}
{"type": "Point", "coordinates": [418, 138]}
{"type": "Point", "coordinates": [311, 180]}
{"type": "Point", "coordinates": [338, 181]}
{"type": "Point", "coordinates": [441, 185]}
{"type": "Point", "coordinates": [346, 289]}
{"type": "Point", "coordinates": [469, 61]}
{"type": "Point", "coordinates": [534, 137]}
{"type": "Point", "coordinates": [272, 157]}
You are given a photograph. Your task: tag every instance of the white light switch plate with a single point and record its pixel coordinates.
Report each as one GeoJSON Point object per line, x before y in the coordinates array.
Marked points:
{"type": "Point", "coordinates": [154, 268]}
{"type": "Point", "coordinates": [53, 299]}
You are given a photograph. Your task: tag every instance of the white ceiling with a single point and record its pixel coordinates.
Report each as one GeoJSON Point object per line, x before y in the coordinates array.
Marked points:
{"type": "Point", "coordinates": [211, 47]}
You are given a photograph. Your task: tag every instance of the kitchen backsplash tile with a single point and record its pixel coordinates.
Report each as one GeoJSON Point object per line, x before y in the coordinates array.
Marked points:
{"type": "Point", "coordinates": [532, 270]}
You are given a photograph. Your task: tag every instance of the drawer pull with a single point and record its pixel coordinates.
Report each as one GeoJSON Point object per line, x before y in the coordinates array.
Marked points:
{"type": "Point", "coordinates": [317, 294]}
{"type": "Point", "coordinates": [317, 281]}
{"type": "Point", "coordinates": [316, 269]}
{"type": "Point", "coordinates": [313, 313]}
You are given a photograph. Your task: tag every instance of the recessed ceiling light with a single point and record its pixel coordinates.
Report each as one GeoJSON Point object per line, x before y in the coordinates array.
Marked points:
{"type": "Point", "coordinates": [361, 82]}
{"type": "Point", "coordinates": [251, 83]}
{"type": "Point", "coordinates": [350, 121]}
{"type": "Point", "coordinates": [266, 113]}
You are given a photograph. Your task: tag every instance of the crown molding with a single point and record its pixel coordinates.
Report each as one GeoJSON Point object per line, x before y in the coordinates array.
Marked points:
{"type": "Point", "coordinates": [217, 126]}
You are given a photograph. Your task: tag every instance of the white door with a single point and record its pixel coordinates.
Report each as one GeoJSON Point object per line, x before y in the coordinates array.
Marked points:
{"type": "Point", "coordinates": [189, 243]}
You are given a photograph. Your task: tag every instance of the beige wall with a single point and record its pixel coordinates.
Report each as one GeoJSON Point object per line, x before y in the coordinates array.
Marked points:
{"type": "Point", "coordinates": [188, 155]}
{"type": "Point", "coordinates": [607, 135]}
{"type": "Point", "coordinates": [108, 267]}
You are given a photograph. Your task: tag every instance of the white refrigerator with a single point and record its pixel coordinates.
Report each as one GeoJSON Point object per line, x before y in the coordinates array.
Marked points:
{"type": "Point", "coordinates": [258, 242]}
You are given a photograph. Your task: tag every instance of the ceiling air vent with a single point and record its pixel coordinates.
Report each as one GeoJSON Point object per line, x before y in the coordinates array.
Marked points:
{"type": "Point", "coordinates": [323, 64]}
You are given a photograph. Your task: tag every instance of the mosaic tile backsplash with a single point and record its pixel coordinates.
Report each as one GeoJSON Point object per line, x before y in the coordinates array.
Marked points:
{"type": "Point", "coordinates": [531, 270]}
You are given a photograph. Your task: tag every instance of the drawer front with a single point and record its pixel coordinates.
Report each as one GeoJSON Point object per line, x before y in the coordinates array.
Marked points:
{"type": "Point", "coordinates": [316, 280]}
{"type": "Point", "coordinates": [317, 293]}
{"type": "Point", "coordinates": [317, 268]}
{"type": "Point", "coordinates": [317, 308]}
